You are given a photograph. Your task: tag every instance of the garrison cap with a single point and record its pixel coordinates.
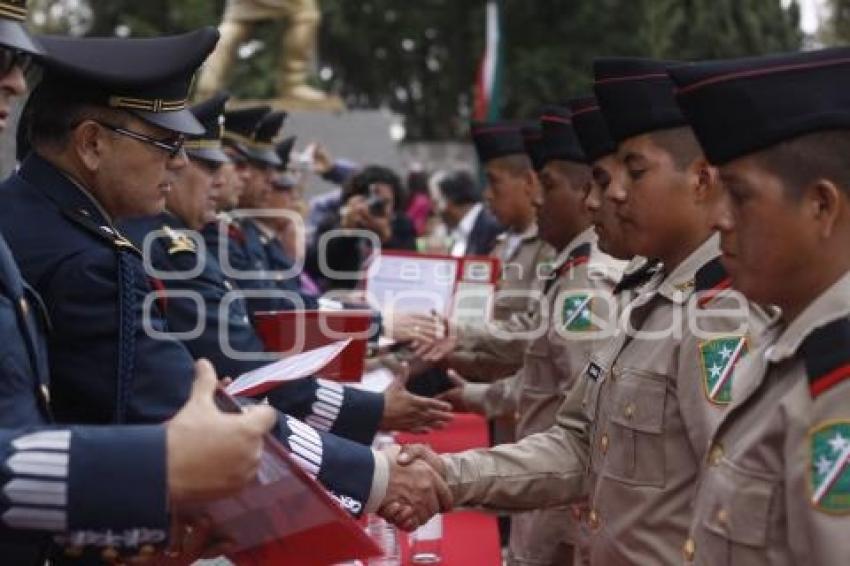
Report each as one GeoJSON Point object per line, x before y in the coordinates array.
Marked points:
{"type": "Point", "coordinates": [284, 150]}
{"type": "Point", "coordinates": [13, 34]}
{"type": "Point", "coordinates": [493, 140]}
{"type": "Point", "coordinates": [559, 137]}
{"type": "Point", "coordinates": [150, 78]}
{"type": "Point", "coordinates": [207, 146]}
{"type": "Point", "coordinates": [532, 138]}
{"type": "Point", "coordinates": [591, 128]}
{"type": "Point", "coordinates": [740, 106]}
{"type": "Point", "coordinates": [636, 96]}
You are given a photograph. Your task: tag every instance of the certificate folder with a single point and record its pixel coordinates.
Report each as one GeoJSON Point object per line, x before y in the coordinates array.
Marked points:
{"type": "Point", "coordinates": [285, 516]}
{"type": "Point", "coordinates": [291, 332]}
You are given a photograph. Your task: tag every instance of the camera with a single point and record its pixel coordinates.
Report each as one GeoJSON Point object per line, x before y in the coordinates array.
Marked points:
{"type": "Point", "coordinates": [377, 206]}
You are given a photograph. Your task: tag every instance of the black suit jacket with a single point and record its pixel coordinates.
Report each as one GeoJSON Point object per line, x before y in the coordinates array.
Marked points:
{"type": "Point", "coordinates": [486, 229]}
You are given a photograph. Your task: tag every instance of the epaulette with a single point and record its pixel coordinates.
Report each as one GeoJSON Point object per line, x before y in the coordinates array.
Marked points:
{"type": "Point", "coordinates": [826, 352]}
{"type": "Point", "coordinates": [180, 242]}
{"type": "Point", "coordinates": [638, 277]}
{"type": "Point", "coordinates": [711, 280]}
{"type": "Point", "coordinates": [83, 218]}
{"type": "Point", "coordinates": [580, 255]}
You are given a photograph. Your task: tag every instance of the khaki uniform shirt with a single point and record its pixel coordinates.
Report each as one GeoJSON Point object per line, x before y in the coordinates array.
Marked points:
{"type": "Point", "coordinates": [492, 351]}
{"type": "Point", "coordinates": [654, 398]}
{"type": "Point", "coordinates": [775, 487]}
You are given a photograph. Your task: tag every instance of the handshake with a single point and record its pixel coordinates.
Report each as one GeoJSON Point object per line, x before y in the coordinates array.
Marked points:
{"type": "Point", "coordinates": [417, 488]}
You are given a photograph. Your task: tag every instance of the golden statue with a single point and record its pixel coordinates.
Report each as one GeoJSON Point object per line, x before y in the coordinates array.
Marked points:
{"type": "Point", "coordinates": [298, 45]}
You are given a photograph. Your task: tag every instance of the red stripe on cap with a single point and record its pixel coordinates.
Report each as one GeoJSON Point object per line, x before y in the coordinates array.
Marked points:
{"type": "Point", "coordinates": [759, 72]}
{"type": "Point", "coordinates": [632, 78]}
{"type": "Point", "coordinates": [707, 296]}
{"type": "Point", "coordinates": [559, 119]}
{"type": "Point", "coordinates": [829, 380]}
{"type": "Point", "coordinates": [591, 108]}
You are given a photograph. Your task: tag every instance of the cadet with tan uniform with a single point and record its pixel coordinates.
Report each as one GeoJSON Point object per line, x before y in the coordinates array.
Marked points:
{"type": "Point", "coordinates": [636, 427]}
{"type": "Point", "coordinates": [484, 351]}
{"type": "Point", "coordinates": [775, 488]}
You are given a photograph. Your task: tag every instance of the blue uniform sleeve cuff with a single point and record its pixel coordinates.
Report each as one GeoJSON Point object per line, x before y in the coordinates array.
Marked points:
{"type": "Point", "coordinates": [117, 478]}
{"type": "Point", "coordinates": [360, 415]}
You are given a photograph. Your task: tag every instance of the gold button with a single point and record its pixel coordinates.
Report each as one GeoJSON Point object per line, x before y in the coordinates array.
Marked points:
{"type": "Point", "coordinates": [723, 517]}
{"type": "Point", "coordinates": [25, 306]}
{"type": "Point", "coordinates": [147, 550]}
{"type": "Point", "coordinates": [109, 554]}
{"type": "Point", "coordinates": [593, 520]}
{"type": "Point", "coordinates": [630, 410]}
{"type": "Point", "coordinates": [689, 550]}
{"type": "Point", "coordinates": [715, 455]}
{"type": "Point", "coordinates": [74, 551]}
{"type": "Point", "coordinates": [604, 443]}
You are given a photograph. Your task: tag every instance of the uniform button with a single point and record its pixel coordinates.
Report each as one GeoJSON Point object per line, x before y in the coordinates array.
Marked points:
{"type": "Point", "coordinates": [604, 443]}
{"type": "Point", "coordinates": [74, 551]}
{"type": "Point", "coordinates": [109, 554]}
{"type": "Point", "coordinates": [25, 306]}
{"type": "Point", "coordinates": [715, 455]}
{"type": "Point", "coordinates": [630, 410]}
{"type": "Point", "coordinates": [723, 517]}
{"type": "Point", "coordinates": [689, 550]}
{"type": "Point", "coordinates": [593, 520]}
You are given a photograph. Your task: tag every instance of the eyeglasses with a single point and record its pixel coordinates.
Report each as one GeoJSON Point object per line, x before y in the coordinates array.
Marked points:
{"type": "Point", "coordinates": [11, 58]}
{"type": "Point", "coordinates": [172, 148]}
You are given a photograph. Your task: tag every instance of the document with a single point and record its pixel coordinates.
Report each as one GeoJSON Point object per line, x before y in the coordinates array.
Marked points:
{"type": "Point", "coordinates": [294, 367]}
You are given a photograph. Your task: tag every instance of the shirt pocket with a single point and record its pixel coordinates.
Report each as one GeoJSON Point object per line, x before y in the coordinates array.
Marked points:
{"type": "Point", "coordinates": [735, 514]}
{"type": "Point", "coordinates": [635, 451]}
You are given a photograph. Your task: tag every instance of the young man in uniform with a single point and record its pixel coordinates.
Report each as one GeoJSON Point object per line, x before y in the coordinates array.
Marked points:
{"type": "Point", "coordinates": [634, 431]}
{"type": "Point", "coordinates": [775, 488]}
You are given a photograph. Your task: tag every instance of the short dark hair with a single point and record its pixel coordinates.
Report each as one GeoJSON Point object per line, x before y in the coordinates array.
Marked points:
{"type": "Point", "coordinates": [680, 143]}
{"type": "Point", "coordinates": [800, 161]}
{"type": "Point", "coordinates": [360, 182]}
{"type": "Point", "coordinates": [579, 174]}
{"type": "Point", "coordinates": [50, 116]}
{"type": "Point", "coordinates": [459, 188]}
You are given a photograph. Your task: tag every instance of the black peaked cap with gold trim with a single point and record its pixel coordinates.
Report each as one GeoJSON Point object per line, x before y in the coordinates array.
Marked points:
{"type": "Point", "coordinates": [559, 138]}
{"type": "Point", "coordinates": [284, 151]}
{"type": "Point", "coordinates": [740, 106]}
{"type": "Point", "coordinates": [493, 140]}
{"type": "Point", "coordinates": [149, 77]}
{"type": "Point", "coordinates": [591, 128]}
{"type": "Point", "coordinates": [636, 96]}
{"type": "Point", "coordinates": [207, 146]}
{"type": "Point", "coordinates": [262, 147]}
{"type": "Point", "coordinates": [532, 137]}
{"type": "Point", "coordinates": [13, 15]}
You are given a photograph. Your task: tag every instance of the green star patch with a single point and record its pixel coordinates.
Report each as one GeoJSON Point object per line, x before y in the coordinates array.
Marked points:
{"type": "Point", "coordinates": [717, 360]}
{"type": "Point", "coordinates": [829, 467]}
{"type": "Point", "coordinates": [576, 313]}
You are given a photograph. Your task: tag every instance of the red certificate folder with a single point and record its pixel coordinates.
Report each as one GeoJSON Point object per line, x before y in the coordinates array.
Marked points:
{"type": "Point", "coordinates": [286, 517]}
{"type": "Point", "coordinates": [294, 331]}
{"type": "Point", "coordinates": [451, 286]}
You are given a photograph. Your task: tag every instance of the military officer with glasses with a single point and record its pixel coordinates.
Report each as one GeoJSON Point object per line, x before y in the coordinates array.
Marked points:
{"type": "Point", "coordinates": [71, 481]}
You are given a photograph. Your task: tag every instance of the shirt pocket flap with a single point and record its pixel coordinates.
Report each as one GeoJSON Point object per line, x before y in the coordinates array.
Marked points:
{"type": "Point", "coordinates": [639, 404]}
{"type": "Point", "coordinates": [740, 512]}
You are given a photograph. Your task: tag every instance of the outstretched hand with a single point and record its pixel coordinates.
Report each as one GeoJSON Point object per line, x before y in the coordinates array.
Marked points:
{"type": "Point", "coordinates": [404, 411]}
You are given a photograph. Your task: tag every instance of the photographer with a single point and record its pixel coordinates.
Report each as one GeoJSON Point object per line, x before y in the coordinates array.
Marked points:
{"type": "Point", "coordinates": [370, 201]}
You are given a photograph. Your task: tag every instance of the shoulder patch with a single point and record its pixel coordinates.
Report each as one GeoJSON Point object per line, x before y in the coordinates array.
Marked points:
{"type": "Point", "coordinates": [829, 467]}
{"type": "Point", "coordinates": [179, 241]}
{"type": "Point", "coordinates": [576, 312]}
{"type": "Point", "coordinates": [826, 352]}
{"type": "Point", "coordinates": [718, 358]}
{"type": "Point", "coordinates": [710, 280]}
{"type": "Point", "coordinates": [638, 277]}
